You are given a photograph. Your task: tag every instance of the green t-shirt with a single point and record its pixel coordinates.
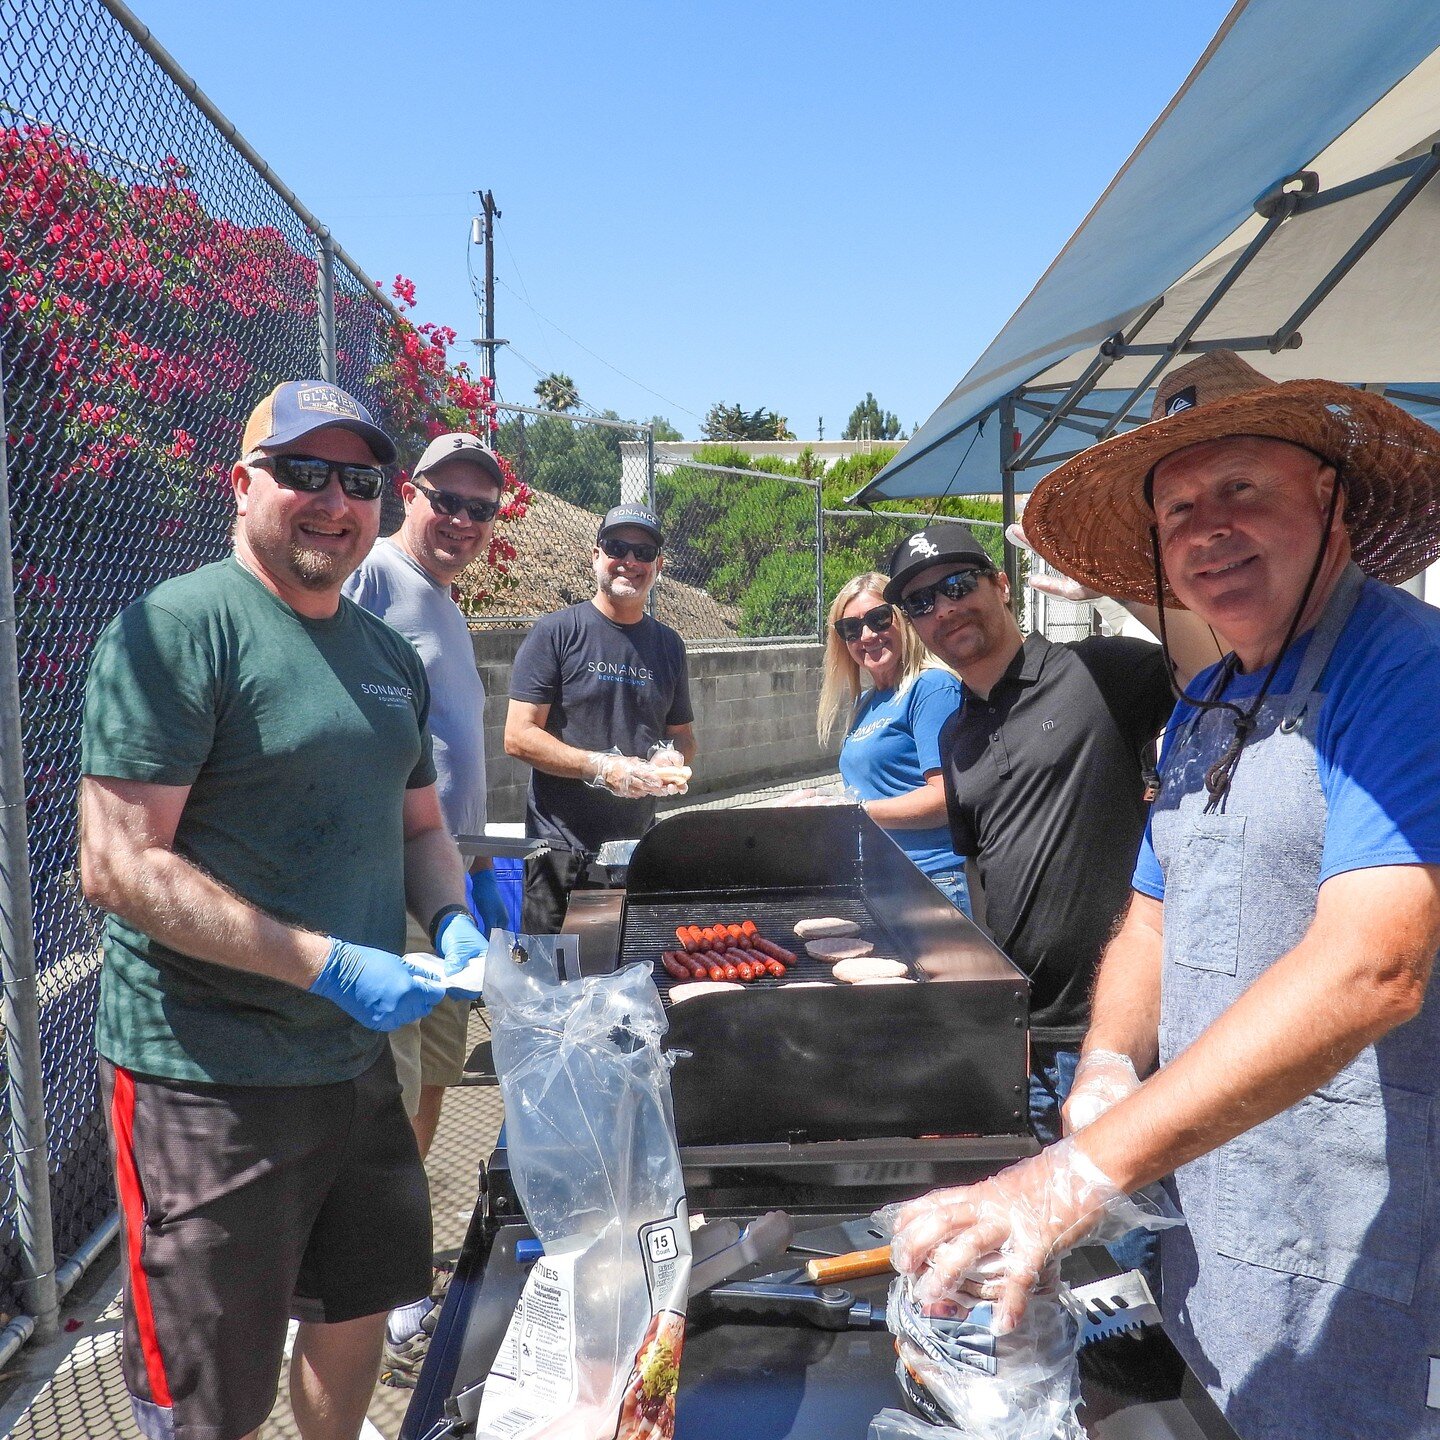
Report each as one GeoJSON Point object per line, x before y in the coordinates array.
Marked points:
{"type": "Point", "coordinates": [298, 739]}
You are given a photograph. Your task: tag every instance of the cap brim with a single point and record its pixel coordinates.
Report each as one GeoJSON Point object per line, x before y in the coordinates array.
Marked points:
{"type": "Point", "coordinates": [483, 458]}
{"type": "Point", "coordinates": [1089, 517]}
{"type": "Point", "coordinates": [381, 446]}
{"type": "Point", "coordinates": [898, 582]}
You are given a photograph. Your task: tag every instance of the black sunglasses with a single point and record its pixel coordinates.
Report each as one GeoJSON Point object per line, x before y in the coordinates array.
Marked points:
{"type": "Point", "coordinates": [882, 617]}
{"type": "Point", "coordinates": [447, 502]}
{"type": "Point", "coordinates": [619, 549]}
{"type": "Point", "coordinates": [919, 603]}
{"type": "Point", "coordinates": [310, 475]}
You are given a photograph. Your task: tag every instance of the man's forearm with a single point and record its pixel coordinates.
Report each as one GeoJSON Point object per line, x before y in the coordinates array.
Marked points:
{"type": "Point", "coordinates": [434, 874]}
{"type": "Point", "coordinates": [163, 895]}
{"type": "Point", "coordinates": [1301, 1022]}
{"type": "Point", "coordinates": [540, 749]}
{"type": "Point", "coordinates": [1125, 1009]}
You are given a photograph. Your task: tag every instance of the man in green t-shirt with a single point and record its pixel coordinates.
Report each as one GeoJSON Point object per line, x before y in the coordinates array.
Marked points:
{"type": "Point", "coordinates": [258, 811]}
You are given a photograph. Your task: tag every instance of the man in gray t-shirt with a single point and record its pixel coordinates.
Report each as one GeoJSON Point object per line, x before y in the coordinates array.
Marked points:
{"type": "Point", "coordinates": [450, 506]}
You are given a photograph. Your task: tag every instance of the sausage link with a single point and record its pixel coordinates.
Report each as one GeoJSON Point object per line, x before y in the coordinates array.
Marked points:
{"type": "Point", "coordinates": [714, 970]}
{"type": "Point", "coordinates": [774, 951]}
{"type": "Point", "coordinates": [683, 936]}
{"type": "Point", "coordinates": [740, 939]}
{"type": "Point", "coordinates": [745, 969]}
{"type": "Point", "coordinates": [773, 967]}
{"type": "Point", "coordinates": [674, 967]}
{"type": "Point", "coordinates": [750, 928]}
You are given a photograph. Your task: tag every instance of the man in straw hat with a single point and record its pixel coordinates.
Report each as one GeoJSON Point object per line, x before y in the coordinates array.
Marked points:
{"type": "Point", "coordinates": [1271, 976]}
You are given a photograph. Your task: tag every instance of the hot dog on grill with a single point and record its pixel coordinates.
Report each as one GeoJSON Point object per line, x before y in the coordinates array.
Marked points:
{"type": "Point", "coordinates": [674, 967]}
{"type": "Point", "coordinates": [744, 967]}
{"type": "Point", "coordinates": [774, 951]}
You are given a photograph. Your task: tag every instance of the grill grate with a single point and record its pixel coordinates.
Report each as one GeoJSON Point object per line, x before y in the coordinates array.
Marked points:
{"type": "Point", "coordinates": [650, 926]}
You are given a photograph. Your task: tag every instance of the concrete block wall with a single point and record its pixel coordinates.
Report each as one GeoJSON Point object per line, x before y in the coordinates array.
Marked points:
{"type": "Point", "coordinates": [754, 717]}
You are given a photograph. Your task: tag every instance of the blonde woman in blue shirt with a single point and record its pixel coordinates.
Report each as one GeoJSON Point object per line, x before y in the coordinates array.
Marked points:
{"type": "Point", "coordinates": [879, 679]}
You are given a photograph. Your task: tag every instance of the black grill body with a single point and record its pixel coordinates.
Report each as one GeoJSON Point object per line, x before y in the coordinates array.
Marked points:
{"type": "Point", "coordinates": [946, 1056]}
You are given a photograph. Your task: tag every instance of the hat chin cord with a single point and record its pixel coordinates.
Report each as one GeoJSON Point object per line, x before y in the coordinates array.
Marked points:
{"type": "Point", "coordinates": [1219, 775]}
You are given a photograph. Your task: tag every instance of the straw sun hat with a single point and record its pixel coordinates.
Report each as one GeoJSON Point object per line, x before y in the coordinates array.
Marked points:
{"type": "Point", "coordinates": [1091, 519]}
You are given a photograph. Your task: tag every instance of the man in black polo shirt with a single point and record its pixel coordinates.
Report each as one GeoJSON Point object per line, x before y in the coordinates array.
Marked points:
{"type": "Point", "coordinates": [1045, 769]}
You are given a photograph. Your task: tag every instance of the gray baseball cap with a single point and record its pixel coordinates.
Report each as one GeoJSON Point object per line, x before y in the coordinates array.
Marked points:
{"type": "Point", "coordinates": [459, 446]}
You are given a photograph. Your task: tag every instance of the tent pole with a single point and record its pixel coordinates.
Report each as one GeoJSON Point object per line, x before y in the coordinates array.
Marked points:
{"type": "Point", "coordinates": [1008, 438]}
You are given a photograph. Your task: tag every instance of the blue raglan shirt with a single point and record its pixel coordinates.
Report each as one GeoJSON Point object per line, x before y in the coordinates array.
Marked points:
{"type": "Point", "coordinates": [1377, 737]}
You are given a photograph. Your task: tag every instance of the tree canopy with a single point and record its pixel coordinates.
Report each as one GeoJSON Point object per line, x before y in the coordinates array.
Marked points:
{"type": "Point", "coordinates": [734, 422]}
{"type": "Point", "coordinates": [869, 422]}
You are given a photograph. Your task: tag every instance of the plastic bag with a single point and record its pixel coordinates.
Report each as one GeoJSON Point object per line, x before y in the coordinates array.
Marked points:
{"type": "Point", "coordinates": [967, 1381]}
{"type": "Point", "coordinates": [593, 1349]}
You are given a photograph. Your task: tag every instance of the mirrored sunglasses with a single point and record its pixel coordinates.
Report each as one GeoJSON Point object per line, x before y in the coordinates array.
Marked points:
{"type": "Point", "coordinates": [447, 502]}
{"type": "Point", "coordinates": [619, 549]}
{"type": "Point", "coordinates": [311, 475]}
{"type": "Point", "coordinates": [881, 618]}
{"type": "Point", "coordinates": [919, 603]}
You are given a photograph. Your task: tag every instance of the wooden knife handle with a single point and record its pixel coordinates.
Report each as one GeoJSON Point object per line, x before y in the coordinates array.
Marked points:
{"type": "Point", "coordinates": [836, 1269]}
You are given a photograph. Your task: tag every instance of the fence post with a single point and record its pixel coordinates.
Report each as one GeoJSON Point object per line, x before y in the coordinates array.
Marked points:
{"type": "Point", "coordinates": [325, 295]}
{"type": "Point", "coordinates": [650, 497]}
{"type": "Point", "coordinates": [20, 1014]}
{"type": "Point", "coordinates": [1008, 438]}
{"type": "Point", "coordinates": [819, 562]}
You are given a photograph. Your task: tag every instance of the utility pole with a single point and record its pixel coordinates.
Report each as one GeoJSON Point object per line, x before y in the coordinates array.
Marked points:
{"type": "Point", "coordinates": [482, 231]}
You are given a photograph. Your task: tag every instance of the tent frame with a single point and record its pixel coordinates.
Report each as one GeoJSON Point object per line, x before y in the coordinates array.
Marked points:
{"type": "Point", "coordinates": [1057, 404]}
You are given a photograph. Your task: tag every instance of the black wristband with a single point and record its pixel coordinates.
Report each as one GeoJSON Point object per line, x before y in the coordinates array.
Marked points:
{"type": "Point", "coordinates": [439, 918]}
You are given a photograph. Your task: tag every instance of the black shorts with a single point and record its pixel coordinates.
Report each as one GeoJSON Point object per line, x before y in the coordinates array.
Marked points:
{"type": "Point", "coordinates": [242, 1206]}
{"type": "Point", "coordinates": [549, 879]}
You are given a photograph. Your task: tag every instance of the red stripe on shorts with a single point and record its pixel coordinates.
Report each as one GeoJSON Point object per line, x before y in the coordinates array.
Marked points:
{"type": "Point", "coordinates": [132, 1211]}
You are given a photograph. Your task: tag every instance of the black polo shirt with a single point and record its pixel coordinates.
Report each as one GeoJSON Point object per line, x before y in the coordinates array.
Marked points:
{"type": "Point", "coordinates": [1045, 785]}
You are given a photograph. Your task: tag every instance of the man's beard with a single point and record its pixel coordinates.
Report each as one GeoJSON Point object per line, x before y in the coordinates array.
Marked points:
{"type": "Point", "coordinates": [318, 569]}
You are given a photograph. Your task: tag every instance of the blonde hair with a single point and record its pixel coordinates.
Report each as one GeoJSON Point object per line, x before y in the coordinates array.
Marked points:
{"type": "Point", "coordinates": [840, 684]}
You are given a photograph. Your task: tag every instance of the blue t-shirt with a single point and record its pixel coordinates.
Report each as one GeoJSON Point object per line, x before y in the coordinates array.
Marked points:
{"type": "Point", "coordinates": [1376, 738]}
{"type": "Point", "coordinates": [894, 739]}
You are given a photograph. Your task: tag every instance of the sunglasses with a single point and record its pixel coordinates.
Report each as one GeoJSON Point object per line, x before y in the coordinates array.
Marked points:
{"type": "Point", "coordinates": [621, 549]}
{"type": "Point", "coordinates": [447, 502]}
{"type": "Point", "coordinates": [307, 474]}
{"type": "Point", "coordinates": [919, 603]}
{"type": "Point", "coordinates": [881, 618]}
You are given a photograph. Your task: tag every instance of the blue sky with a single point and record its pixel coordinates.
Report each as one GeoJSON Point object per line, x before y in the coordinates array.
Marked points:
{"type": "Point", "coordinates": [780, 204]}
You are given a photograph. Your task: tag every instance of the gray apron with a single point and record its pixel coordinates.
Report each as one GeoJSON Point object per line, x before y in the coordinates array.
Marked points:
{"type": "Point", "coordinates": [1305, 1291]}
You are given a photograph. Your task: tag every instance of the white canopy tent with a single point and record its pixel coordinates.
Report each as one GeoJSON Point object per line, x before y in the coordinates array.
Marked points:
{"type": "Point", "coordinates": [1281, 206]}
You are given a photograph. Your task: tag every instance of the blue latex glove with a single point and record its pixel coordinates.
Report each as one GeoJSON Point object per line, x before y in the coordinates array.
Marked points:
{"type": "Point", "coordinates": [459, 941]}
{"type": "Point", "coordinates": [375, 987]}
{"type": "Point", "coordinates": [485, 896]}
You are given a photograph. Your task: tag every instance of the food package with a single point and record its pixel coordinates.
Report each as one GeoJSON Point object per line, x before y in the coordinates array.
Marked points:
{"type": "Point", "coordinates": [593, 1349]}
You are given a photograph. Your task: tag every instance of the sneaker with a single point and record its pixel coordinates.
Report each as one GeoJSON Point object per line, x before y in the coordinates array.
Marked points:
{"type": "Point", "coordinates": [401, 1361]}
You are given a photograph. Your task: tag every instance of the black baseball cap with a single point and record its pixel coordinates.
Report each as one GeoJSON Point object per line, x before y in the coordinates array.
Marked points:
{"type": "Point", "coordinates": [637, 515]}
{"type": "Point", "coordinates": [934, 545]}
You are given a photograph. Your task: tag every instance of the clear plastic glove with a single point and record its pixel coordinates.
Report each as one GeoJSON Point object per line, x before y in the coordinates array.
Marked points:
{"type": "Point", "coordinates": [486, 901]}
{"type": "Point", "coordinates": [671, 764]}
{"type": "Point", "coordinates": [460, 944]}
{"type": "Point", "coordinates": [627, 776]}
{"type": "Point", "coordinates": [375, 987]}
{"type": "Point", "coordinates": [1102, 1079]}
{"type": "Point", "coordinates": [1029, 1215]}
{"type": "Point", "coordinates": [846, 796]}
{"type": "Point", "coordinates": [1047, 581]}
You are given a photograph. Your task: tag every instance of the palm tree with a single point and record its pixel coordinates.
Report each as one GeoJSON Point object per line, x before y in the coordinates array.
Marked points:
{"type": "Point", "coordinates": [557, 392]}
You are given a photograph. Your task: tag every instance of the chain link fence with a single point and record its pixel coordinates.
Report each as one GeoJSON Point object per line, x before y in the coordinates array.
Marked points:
{"type": "Point", "coordinates": [153, 286]}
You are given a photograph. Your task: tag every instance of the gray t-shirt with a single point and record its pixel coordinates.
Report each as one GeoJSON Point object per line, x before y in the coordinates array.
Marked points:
{"type": "Point", "coordinates": [392, 585]}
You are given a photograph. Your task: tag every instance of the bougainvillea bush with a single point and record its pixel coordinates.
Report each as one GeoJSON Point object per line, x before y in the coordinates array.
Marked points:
{"type": "Point", "coordinates": [138, 327]}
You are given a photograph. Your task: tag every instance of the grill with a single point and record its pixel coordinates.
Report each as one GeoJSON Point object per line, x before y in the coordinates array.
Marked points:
{"type": "Point", "coordinates": [827, 1103]}
{"type": "Point", "coordinates": [946, 1056]}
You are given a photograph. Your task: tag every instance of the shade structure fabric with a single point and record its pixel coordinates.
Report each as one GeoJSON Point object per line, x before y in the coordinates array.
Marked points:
{"type": "Point", "coordinates": [1341, 89]}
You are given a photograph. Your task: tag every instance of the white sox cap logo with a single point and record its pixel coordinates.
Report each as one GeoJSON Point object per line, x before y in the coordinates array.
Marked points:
{"type": "Point", "coordinates": [921, 546]}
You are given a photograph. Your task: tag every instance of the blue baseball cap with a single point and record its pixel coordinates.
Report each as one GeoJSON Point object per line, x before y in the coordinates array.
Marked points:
{"type": "Point", "coordinates": [636, 515]}
{"type": "Point", "coordinates": [296, 408]}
